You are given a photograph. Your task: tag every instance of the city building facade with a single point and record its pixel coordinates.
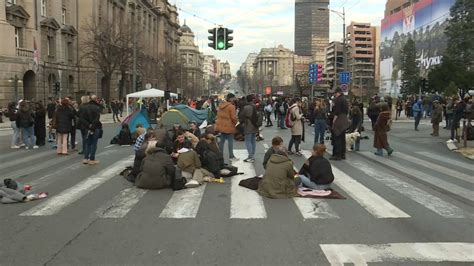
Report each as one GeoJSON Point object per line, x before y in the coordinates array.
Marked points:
{"type": "Point", "coordinates": [193, 64]}
{"type": "Point", "coordinates": [334, 63]}
{"type": "Point", "coordinates": [43, 46]}
{"type": "Point", "coordinates": [311, 28]}
{"type": "Point", "coordinates": [274, 68]}
{"type": "Point", "coordinates": [362, 49]}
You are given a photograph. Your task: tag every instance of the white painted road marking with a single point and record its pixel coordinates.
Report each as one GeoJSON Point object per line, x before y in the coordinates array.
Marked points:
{"type": "Point", "coordinates": [437, 182]}
{"type": "Point", "coordinates": [245, 203]}
{"type": "Point", "coordinates": [184, 203]}
{"type": "Point", "coordinates": [57, 203]}
{"type": "Point", "coordinates": [28, 158]}
{"type": "Point", "coordinates": [372, 202]}
{"type": "Point", "coordinates": [121, 204]}
{"type": "Point", "coordinates": [338, 254]}
{"type": "Point", "coordinates": [440, 158]}
{"type": "Point", "coordinates": [425, 199]}
{"type": "Point", "coordinates": [436, 167]}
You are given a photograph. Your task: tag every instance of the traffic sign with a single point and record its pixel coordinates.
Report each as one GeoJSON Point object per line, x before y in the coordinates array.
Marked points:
{"type": "Point", "coordinates": [344, 77]}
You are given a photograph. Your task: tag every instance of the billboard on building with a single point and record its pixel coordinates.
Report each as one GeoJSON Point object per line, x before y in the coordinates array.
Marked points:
{"type": "Point", "coordinates": [424, 22]}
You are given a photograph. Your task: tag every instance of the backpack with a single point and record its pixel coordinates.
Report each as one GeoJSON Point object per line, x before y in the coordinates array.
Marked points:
{"type": "Point", "coordinates": [281, 108]}
{"type": "Point", "coordinates": [289, 118]}
{"type": "Point", "coordinates": [256, 119]}
{"type": "Point", "coordinates": [178, 181]}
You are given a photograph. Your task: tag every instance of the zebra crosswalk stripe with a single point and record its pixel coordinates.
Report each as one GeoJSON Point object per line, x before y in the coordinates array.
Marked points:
{"type": "Point", "coordinates": [339, 254]}
{"type": "Point", "coordinates": [437, 182]}
{"type": "Point", "coordinates": [457, 163]}
{"type": "Point", "coordinates": [184, 203]}
{"type": "Point", "coordinates": [121, 204]}
{"type": "Point", "coordinates": [372, 202]}
{"type": "Point", "coordinates": [69, 196]}
{"type": "Point", "coordinates": [436, 167]}
{"type": "Point", "coordinates": [425, 199]}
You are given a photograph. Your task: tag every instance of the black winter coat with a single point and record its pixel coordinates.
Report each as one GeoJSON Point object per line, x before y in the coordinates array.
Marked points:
{"type": "Point", "coordinates": [89, 116]}
{"type": "Point", "coordinates": [64, 116]}
{"type": "Point", "coordinates": [210, 162]}
{"type": "Point", "coordinates": [25, 119]}
{"type": "Point", "coordinates": [319, 170]}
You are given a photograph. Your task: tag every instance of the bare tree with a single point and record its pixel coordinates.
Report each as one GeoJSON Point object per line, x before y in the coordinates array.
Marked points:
{"type": "Point", "coordinates": [108, 47]}
{"type": "Point", "coordinates": [169, 69]}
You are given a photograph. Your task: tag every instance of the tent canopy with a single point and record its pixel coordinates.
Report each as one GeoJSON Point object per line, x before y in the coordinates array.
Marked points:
{"type": "Point", "coordinates": [147, 94]}
{"type": "Point", "coordinates": [172, 117]}
{"type": "Point", "coordinates": [192, 114]}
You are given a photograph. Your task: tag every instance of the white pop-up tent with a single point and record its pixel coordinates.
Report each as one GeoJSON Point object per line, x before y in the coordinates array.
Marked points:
{"type": "Point", "coordinates": [151, 93]}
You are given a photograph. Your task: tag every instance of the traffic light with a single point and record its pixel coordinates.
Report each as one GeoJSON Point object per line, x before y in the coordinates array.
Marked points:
{"type": "Point", "coordinates": [320, 73]}
{"type": "Point", "coordinates": [228, 38]}
{"type": "Point", "coordinates": [139, 85]}
{"type": "Point", "coordinates": [212, 38]}
{"type": "Point", "coordinates": [220, 39]}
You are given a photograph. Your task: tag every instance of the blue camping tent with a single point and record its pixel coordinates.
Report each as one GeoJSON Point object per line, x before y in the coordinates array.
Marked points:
{"type": "Point", "coordinates": [136, 118]}
{"type": "Point", "coordinates": [192, 114]}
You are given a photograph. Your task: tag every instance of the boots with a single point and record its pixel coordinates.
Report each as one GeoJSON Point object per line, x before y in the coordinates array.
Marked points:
{"type": "Point", "coordinates": [379, 152]}
{"type": "Point", "coordinates": [389, 151]}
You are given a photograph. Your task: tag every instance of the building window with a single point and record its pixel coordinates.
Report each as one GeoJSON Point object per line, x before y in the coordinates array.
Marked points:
{"type": "Point", "coordinates": [11, 2]}
{"type": "Point", "coordinates": [18, 37]}
{"type": "Point", "coordinates": [50, 46]}
{"type": "Point", "coordinates": [63, 16]}
{"type": "Point", "coordinates": [69, 52]}
{"type": "Point", "coordinates": [43, 8]}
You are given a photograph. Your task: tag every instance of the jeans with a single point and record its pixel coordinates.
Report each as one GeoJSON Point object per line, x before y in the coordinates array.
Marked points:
{"type": "Point", "coordinates": [281, 120]}
{"type": "Point", "coordinates": [91, 145]}
{"type": "Point", "coordinates": [417, 119]}
{"type": "Point", "coordinates": [28, 134]}
{"type": "Point", "coordinates": [16, 134]}
{"type": "Point", "coordinates": [115, 116]}
{"type": "Point", "coordinates": [356, 145]}
{"type": "Point", "coordinates": [251, 144]}
{"type": "Point", "coordinates": [269, 120]}
{"type": "Point", "coordinates": [84, 139]}
{"type": "Point", "coordinates": [230, 140]}
{"type": "Point", "coordinates": [308, 183]}
{"type": "Point", "coordinates": [449, 120]}
{"type": "Point", "coordinates": [73, 138]}
{"type": "Point", "coordinates": [319, 130]}
{"type": "Point", "coordinates": [295, 140]}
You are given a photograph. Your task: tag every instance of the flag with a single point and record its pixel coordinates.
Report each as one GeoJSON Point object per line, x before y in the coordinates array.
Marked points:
{"type": "Point", "coordinates": [36, 56]}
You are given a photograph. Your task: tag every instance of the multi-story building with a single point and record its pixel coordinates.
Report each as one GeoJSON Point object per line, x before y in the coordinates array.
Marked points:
{"type": "Point", "coordinates": [43, 39]}
{"type": "Point", "coordinates": [209, 73]}
{"type": "Point", "coordinates": [334, 62]}
{"type": "Point", "coordinates": [274, 68]}
{"type": "Point", "coordinates": [362, 49]}
{"type": "Point", "coordinates": [193, 64]}
{"type": "Point", "coordinates": [311, 28]}
{"type": "Point", "coordinates": [247, 72]}
{"type": "Point", "coordinates": [225, 70]}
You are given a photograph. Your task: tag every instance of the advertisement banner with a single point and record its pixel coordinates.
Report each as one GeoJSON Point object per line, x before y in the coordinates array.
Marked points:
{"type": "Point", "coordinates": [424, 22]}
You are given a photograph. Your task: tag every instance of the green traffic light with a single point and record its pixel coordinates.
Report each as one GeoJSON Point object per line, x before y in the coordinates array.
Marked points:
{"type": "Point", "coordinates": [220, 45]}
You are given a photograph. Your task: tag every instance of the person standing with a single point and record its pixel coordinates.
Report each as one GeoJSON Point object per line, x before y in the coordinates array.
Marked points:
{"type": "Point", "coordinates": [356, 124]}
{"type": "Point", "coordinates": [226, 121]}
{"type": "Point", "coordinates": [25, 122]}
{"type": "Point", "coordinates": [458, 112]}
{"type": "Point", "coordinates": [51, 108]}
{"type": "Point", "coordinates": [436, 117]}
{"type": "Point", "coordinates": [114, 105]}
{"type": "Point", "coordinates": [81, 124]}
{"type": "Point", "coordinates": [449, 113]}
{"type": "Point", "coordinates": [320, 121]}
{"type": "Point", "coordinates": [297, 126]}
{"type": "Point", "coordinates": [13, 116]}
{"type": "Point", "coordinates": [282, 108]}
{"type": "Point", "coordinates": [339, 126]}
{"type": "Point", "coordinates": [40, 124]}
{"type": "Point", "coordinates": [381, 128]}
{"type": "Point", "coordinates": [72, 140]}
{"type": "Point", "coordinates": [248, 117]}
{"type": "Point", "coordinates": [417, 110]}
{"type": "Point", "coordinates": [90, 121]}
{"type": "Point", "coordinates": [63, 117]}
{"type": "Point", "coordinates": [268, 113]}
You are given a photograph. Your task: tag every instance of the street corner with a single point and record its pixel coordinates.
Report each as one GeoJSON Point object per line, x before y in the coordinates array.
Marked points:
{"type": "Point", "coordinates": [466, 152]}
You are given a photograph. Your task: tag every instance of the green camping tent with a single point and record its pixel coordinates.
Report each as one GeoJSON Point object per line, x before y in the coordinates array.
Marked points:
{"type": "Point", "coordinates": [171, 118]}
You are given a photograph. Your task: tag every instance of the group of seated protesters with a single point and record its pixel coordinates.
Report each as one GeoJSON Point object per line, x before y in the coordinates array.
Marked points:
{"type": "Point", "coordinates": [164, 157]}
{"type": "Point", "coordinates": [282, 181]}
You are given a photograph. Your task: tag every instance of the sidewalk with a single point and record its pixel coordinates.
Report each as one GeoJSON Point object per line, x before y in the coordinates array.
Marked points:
{"type": "Point", "coordinates": [104, 118]}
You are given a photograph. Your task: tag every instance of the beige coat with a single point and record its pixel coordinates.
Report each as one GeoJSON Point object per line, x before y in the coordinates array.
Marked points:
{"type": "Point", "coordinates": [297, 129]}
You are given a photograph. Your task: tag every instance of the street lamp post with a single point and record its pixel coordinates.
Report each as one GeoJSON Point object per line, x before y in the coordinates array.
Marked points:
{"type": "Point", "coordinates": [15, 80]}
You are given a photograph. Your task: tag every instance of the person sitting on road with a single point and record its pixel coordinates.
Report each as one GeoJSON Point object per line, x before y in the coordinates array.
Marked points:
{"type": "Point", "coordinates": [140, 132]}
{"type": "Point", "coordinates": [157, 169]}
{"type": "Point", "coordinates": [277, 142]}
{"type": "Point", "coordinates": [209, 159]}
{"type": "Point", "coordinates": [188, 162]}
{"type": "Point", "coordinates": [278, 181]}
{"type": "Point", "coordinates": [316, 172]}
{"type": "Point", "coordinates": [124, 137]}
{"type": "Point", "coordinates": [194, 129]}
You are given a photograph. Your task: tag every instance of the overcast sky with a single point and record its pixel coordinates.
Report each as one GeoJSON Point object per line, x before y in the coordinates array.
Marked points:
{"type": "Point", "coordinates": [263, 23]}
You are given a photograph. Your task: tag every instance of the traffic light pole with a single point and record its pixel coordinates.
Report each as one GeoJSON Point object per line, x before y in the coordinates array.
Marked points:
{"type": "Point", "coordinates": [134, 24]}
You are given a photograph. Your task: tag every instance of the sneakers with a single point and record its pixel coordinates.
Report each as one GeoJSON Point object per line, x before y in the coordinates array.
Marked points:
{"type": "Point", "coordinates": [298, 153]}
{"type": "Point", "coordinates": [93, 162]}
{"type": "Point", "coordinates": [15, 147]}
{"type": "Point", "coordinates": [234, 159]}
{"type": "Point", "coordinates": [249, 160]}
{"type": "Point", "coordinates": [192, 184]}
{"type": "Point", "coordinates": [35, 147]}
{"type": "Point", "coordinates": [85, 161]}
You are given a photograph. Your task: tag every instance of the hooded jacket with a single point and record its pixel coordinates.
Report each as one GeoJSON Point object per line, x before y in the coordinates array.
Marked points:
{"type": "Point", "coordinates": [226, 118]}
{"type": "Point", "coordinates": [278, 180]}
{"type": "Point", "coordinates": [157, 170]}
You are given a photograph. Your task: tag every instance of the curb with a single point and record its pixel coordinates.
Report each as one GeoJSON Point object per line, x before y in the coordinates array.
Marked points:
{"type": "Point", "coordinates": [463, 151]}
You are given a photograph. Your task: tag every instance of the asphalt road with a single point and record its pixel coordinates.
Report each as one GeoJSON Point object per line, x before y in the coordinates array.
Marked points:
{"type": "Point", "coordinates": [415, 208]}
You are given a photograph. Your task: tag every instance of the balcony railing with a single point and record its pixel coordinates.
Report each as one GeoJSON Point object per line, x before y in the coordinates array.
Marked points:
{"type": "Point", "coordinates": [22, 52]}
